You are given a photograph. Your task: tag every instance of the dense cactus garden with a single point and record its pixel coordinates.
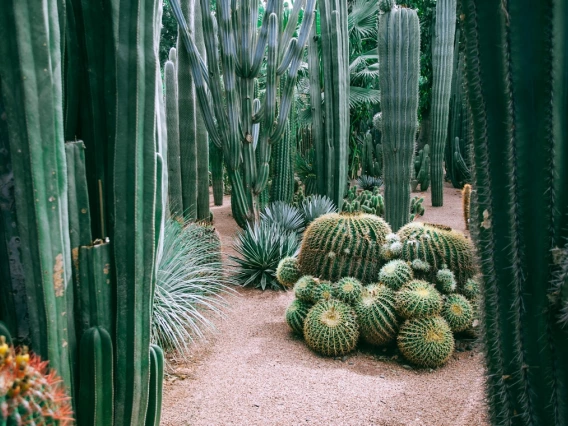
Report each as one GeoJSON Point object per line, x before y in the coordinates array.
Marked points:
{"type": "Point", "coordinates": [274, 197]}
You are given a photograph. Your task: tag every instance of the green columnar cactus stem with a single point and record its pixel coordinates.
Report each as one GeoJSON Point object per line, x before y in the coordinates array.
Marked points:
{"type": "Point", "coordinates": [442, 65]}
{"type": "Point", "coordinates": [187, 116]}
{"type": "Point", "coordinates": [96, 388]}
{"type": "Point", "coordinates": [283, 181]}
{"type": "Point", "coordinates": [135, 189]}
{"type": "Point", "coordinates": [230, 117]}
{"type": "Point", "coordinates": [172, 122]}
{"type": "Point", "coordinates": [518, 94]}
{"type": "Point", "coordinates": [216, 159]}
{"type": "Point", "coordinates": [154, 412]}
{"type": "Point", "coordinates": [346, 245]}
{"type": "Point", "coordinates": [399, 64]}
{"type": "Point", "coordinates": [33, 97]}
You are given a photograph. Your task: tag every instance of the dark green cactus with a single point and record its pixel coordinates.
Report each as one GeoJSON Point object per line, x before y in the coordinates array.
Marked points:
{"type": "Point", "coordinates": [422, 168]}
{"type": "Point", "coordinates": [175, 197]}
{"type": "Point", "coordinates": [282, 188]}
{"type": "Point", "coordinates": [216, 160]}
{"type": "Point", "coordinates": [346, 245]}
{"type": "Point", "coordinates": [95, 402]}
{"type": "Point", "coordinates": [518, 94]}
{"type": "Point", "coordinates": [35, 131]}
{"type": "Point", "coordinates": [371, 157]}
{"type": "Point", "coordinates": [296, 314]}
{"type": "Point", "coordinates": [232, 124]}
{"type": "Point", "coordinates": [399, 66]}
{"type": "Point", "coordinates": [331, 135]}
{"type": "Point", "coordinates": [376, 314]}
{"type": "Point", "coordinates": [154, 412]}
{"type": "Point", "coordinates": [442, 67]}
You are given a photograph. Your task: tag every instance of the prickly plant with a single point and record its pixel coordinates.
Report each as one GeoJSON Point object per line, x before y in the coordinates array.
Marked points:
{"type": "Point", "coordinates": [399, 70]}
{"type": "Point", "coordinates": [377, 315]}
{"type": "Point", "coordinates": [348, 290]}
{"type": "Point", "coordinates": [418, 299]}
{"type": "Point", "coordinates": [343, 245]}
{"type": "Point", "coordinates": [304, 287]}
{"type": "Point", "coordinates": [457, 312]}
{"type": "Point", "coordinates": [442, 68]}
{"type": "Point", "coordinates": [395, 274]}
{"type": "Point", "coordinates": [296, 314]}
{"type": "Point", "coordinates": [466, 202]}
{"type": "Point", "coordinates": [517, 94]}
{"type": "Point", "coordinates": [446, 281]}
{"type": "Point", "coordinates": [331, 328]}
{"type": "Point", "coordinates": [288, 272]}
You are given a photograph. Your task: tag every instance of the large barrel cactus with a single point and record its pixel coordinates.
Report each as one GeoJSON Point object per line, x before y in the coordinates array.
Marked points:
{"type": "Point", "coordinates": [399, 69]}
{"type": "Point", "coordinates": [344, 245]}
{"type": "Point", "coordinates": [517, 80]}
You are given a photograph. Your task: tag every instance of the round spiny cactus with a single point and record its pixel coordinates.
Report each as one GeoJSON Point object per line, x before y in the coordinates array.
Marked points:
{"type": "Point", "coordinates": [323, 291]}
{"type": "Point", "coordinates": [395, 274]}
{"type": "Point", "coordinates": [376, 314]}
{"type": "Point", "coordinates": [470, 289]}
{"type": "Point", "coordinates": [331, 328]}
{"type": "Point", "coordinates": [288, 272]}
{"type": "Point", "coordinates": [457, 312]}
{"type": "Point", "coordinates": [343, 245]}
{"type": "Point", "coordinates": [438, 246]}
{"type": "Point", "coordinates": [296, 314]}
{"type": "Point", "coordinates": [427, 342]}
{"type": "Point", "coordinates": [418, 299]}
{"type": "Point", "coordinates": [446, 281]}
{"type": "Point", "coordinates": [348, 290]}
{"type": "Point", "coordinates": [304, 288]}
{"type": "Point", "coordinates": [29, 395]}
{"type": "Point", "coordinates": [421, 268]}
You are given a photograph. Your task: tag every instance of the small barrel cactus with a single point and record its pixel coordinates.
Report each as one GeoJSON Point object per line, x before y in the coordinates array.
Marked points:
{"type": "Point", "coordinates": [446, 281]}
{"type": "Point", "coordinates": [304, 288]}
{"type": "Point", "coordinates": [470, 289]}
{"type": "Point", "coordinates": [288, 272]}
{"type": "Point", "coordinates": [29, 395]}
{"type": "Point", "coordinates": [344, 245]}
{"type": "Point", "coordinates": [427, 342]}
{"type": "Point", "coordinates": [457, 312]}
{"type": "Point", "coordinates": [296, 314]}
{"type": "Point", "coordinates": [418, 299]}
{"type": "Point", "coordinates": [421, 268]}
{"type": "Point", "coordinates": [323, 291]}
{"type": "Point", "coordinates": [348, 290]}
{"type": "Point", "coordinates": [331, 328]}
{"type": "Point", "coordinates": [377, 315]}
{"type": "Point", "coordinates": [395, 274]}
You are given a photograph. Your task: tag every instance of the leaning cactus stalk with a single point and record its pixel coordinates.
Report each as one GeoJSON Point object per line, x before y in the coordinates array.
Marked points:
{"type": "Point", "coordinates": [518, 97]}
{"type": "Point", "coordinates": [399, 64]}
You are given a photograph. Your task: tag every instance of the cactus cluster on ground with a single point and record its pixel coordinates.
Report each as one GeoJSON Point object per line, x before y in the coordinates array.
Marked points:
{"type": "Point", "coordinates": [409, 301]}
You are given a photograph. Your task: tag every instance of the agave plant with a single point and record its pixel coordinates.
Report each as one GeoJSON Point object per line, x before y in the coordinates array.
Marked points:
{"type": "Point", "coordinates": [261, 246]}
{"type": "Point", "coordinates": [306, 172]}
{"type": "Point", "coordinates": [284, 215]}
{"type": "Point", "coordinates": [190, 286]}
{"type": "Point", "coordinates": [315, 206]}
{"type": "Point", "coordinates": [368, 183]}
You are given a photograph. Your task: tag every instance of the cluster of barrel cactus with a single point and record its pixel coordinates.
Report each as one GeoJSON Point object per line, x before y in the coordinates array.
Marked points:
{"type": "Point", "coordinates": [372, 202]}
{"type": "Point", "coordinates": [345, 293]}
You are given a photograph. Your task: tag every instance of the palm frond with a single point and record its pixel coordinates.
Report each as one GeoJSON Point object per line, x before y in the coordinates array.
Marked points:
{"type": "Point", "coordinates": [359, 96]}
{"type": "Point", "coordinates": [362, 21]}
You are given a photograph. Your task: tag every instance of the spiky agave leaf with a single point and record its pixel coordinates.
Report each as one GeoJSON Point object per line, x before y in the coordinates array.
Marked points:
{"type": "Point", "coordinates": [284, 215]}
{"type": "Point", "coordinates": [190, 286]}
{"type": "Point", "coordinates": [368, 183]}
{"type": "Point", "coordinates": [315, 206]}
{"type": "Point", "coordinates": [261, 246]}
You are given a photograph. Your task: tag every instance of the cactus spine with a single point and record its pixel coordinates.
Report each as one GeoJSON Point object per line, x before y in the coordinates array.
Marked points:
{"type": "Point", "coordinates": [442, 65]}
{"type": "Point", "coordinates": [331, 134]}
{"type": "Point", "coordinates": [231, 124]}
{"type": "Point", "coordinates": [518, 98]}
{"type": "Point", "coordinates": [399, 64]}
{"type": "Point", "coordinates": [95, 402]}
{"type": "Point", "coordinates": [172, 122]}
{"type": "Point", "coordinates": [466, 202]}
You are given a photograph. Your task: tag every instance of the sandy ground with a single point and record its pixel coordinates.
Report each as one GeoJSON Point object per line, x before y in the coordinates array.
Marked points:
{"type": "Point", "coordinates": [254, 371]}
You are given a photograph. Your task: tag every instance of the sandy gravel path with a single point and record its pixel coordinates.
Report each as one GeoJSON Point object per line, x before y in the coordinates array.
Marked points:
{"type": "Point", "coordinates": [253, 371]}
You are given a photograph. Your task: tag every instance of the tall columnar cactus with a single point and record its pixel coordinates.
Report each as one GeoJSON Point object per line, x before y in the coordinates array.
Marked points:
{"type": "Point", "coordinates": [442, 66]}
{"type": "Point", "coordinates": [154, 412]}
{"type": "Point", "coordinates": [216, 160]}
{"type": "Point", "coordinates": [399, 66]}
{"type": "Point", "coordinates": [35, 131]}
{"type": "Point", "coordinates": [331, 135]}
{"type": "Point", "coordinates": [229, 76]}
{"type": "Point", "coordinates": [518, 95]}
{"type": "Point", "coordinates": [172, 122]}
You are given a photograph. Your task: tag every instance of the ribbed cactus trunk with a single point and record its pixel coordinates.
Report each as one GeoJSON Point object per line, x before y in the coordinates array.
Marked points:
{"type": "Point", "coordinates": [172, 122]}
{"type": "Point", "coordinates": [333, 131]}
{"type": "Point", "coordinates": [187, 121]}
{"type": "Point", "coordinates": [442, 67]}
{"type": "Point", "coordinates": [399, 70]}
{"type": "Point", "coordinates": [32, 92]}
{"type": "Point", "coordinates": [201, 137]}
{"type": "Point", "coordinates": [216, 159]}
{"type": "Point", "coordinates": [517, 79]}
